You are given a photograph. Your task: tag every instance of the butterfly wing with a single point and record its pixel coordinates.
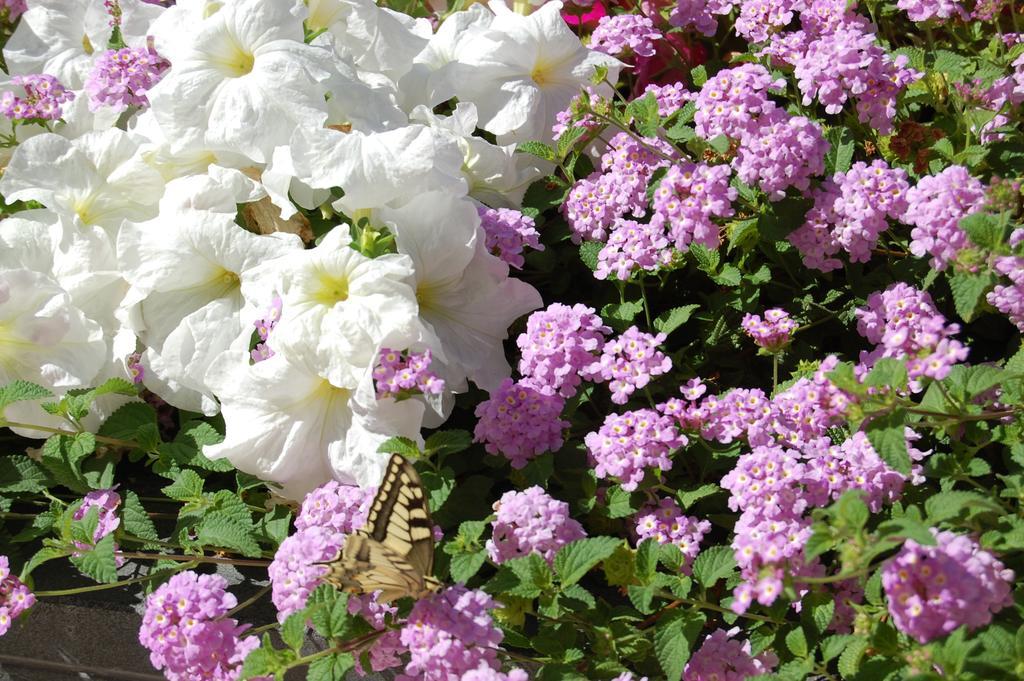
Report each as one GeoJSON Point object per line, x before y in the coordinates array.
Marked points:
{"type": "Point", "coordinates": [394, 552]}
{"type": "Point", "coordinates": [366, 565]}
{"type": "Point", "coordinates": [399, 516]}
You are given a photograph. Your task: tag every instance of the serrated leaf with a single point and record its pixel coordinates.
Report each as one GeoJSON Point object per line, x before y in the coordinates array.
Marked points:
{"type": "Point", "coordinates": [969, 292]}
{"type": "Point", "coordinates": [43, 555]}
{"type": "Point", "coordinates": [888, 372]}
{"type": "Point", "coordinates": [438, 486]}
{"type": "Point", "coordinates": [400, 445]}
{"type": "Point", "coordinates": [263, 661]}
{"type": "Point", "coordinates": [644, 112]}
{"type": "Point", "coordinates": [21, 391]}
{"type": "Point", "coordinates": [641, 597]}
{"type": "Point", "coordinates": [946, 505]}
{"type": "Point", "coordinates": [329, 612]}
{"type": "Point", "coordinates": [887, 436]}
{"type": "Point", "coordinates": [622, 313]}
{"type": "Point", "coordinates": [712, 564]}
{"type": "Point", "coordinates": [464, 566]}
{"type": "Point", "coordinates": [589, 251]}
{"type": "Point", "coordinates": [116, 385]}
{"type": "Point", "coordinates": [135, 519]}
{"type": "Point", "coordinates": [719, 143]}
{"type": "Point", "coordinates": [851, 510]}
{"type": "Point", "coordinates": [186, 486]}
{"type": "Point", "coordinates": [646, 559]}
{"type": "Point", "coordinates": [62, 456]}
{"type": "Point", "coordinates": [841, 148]}
{"type": "Point", "coordinates": [18, 473]}
{"type": "Point", "coordinates": [669, 321]}
{"type": "Point", "coordinates": [984, 229]}
{"type": "Point", "coordinates": [688, 497]}
{"type": "Point", "coordinates": [620, 503]}
{"type": "Point", "coordinates": [293, 631]}
{"type": "Point", "coordinates": [851, 657]}
{"type": "Point", "coordinates": [221, 530]}
{"type": "Point", "coordinates": [99, 562]}
{"type": "Point", "coordinates": [538, 149]}
{"type": "Point", "coordinates": [445, 442]}
{"type": "Point", "coordinates": [674, 636]}
{"type": "Point", "coordinates": [567, 140]}
{"type": "Point", "coordinates": [576, 559]}
{"type": "Point", "coordinates": [699, 75]}
{"type": "Point", "coordinates": [331, 668]}
{"type": "Point", "coordinates": [126, 420]}
{"type": "Point", "coordinates": [796, 641]}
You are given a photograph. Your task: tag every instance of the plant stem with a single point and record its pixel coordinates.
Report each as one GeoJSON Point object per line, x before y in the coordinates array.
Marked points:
{"type": "Point", "coordinates": [832, 578]}
{"type": "Point", "coordinates": [676, 602]}
{"type": "Point", "coordinates": [99, 587]}
{"type": "Point", "coordinates": [198, 559]}
{"type": "Point", "coordinates": [60, 431]}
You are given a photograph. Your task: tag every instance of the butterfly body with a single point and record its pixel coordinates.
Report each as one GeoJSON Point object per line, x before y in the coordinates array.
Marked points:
{"type": "Point", "coordinates": [394, 551]}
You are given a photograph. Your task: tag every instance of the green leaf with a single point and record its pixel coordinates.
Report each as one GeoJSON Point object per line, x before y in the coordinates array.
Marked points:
{"type": "Point", "coordinates": [126, 420]}
{"type": "Point", "coordinates": [222, 530]}
{"type": "Point", "coordinates": [576, 559]}
{"type": "Point", "coordinates": [621, 315]}
{"type": "Point", "coordinates": [568, 139]}
{"type": "Point", "coordinates": [947, 505]}
{"type": "Point", "coordinates": [445, 442]}
{"type": "Point", "coordinates": [669, 321]}
{"type": "Point", "coordinates": [888, 372]}
{"type": "Point", "coordinates": [641, 597]}
{"type": "Point", "coordinates": [63, 455]}
{"type": "Point", "coordinates": [43, 555]}
{"type": "Point", "coordinates": [713, 564]}
{"type": "Point", "coordinates": [719, 143]}
{"type": "Point", "coordinates": [464, 566]}
{"type": "Point", "coordinates": [688, 497]}
{"type": "Point", "coordinates": [439, 487]}
{"type": "Point", "coordinates": [969, 292]}
{"type": "Point", "coordinates": [674, 637]}
{"type": "Point", "coordinates": [907, 528]}
{"type": "Point", "coordinates": [136, 520]}
{"type": "Point", "coordinates": [264, 661]}
{"type": "Point", "coordinates": [620, 503]}
{"type": "Point", "coordinates": [18, 473]}
{"type": "Point", "coordinates": [984, 230]}
{"type": "Point", "coordinates": [886, 433]}
{"type": "Point", "coordinates": [699, 75]}
{"type": "Point", "coordinates": [111, 386]}
{"type": "Point", "coordinates": [293, 631]}
{"type": "Point", "coordinates": [331, 668]}
{"type": "Point", "coordinates": [646, 559]}
{"type": "Point", "coordinates": [99, 562]}
{"type": "Point", "coordinates": [329, 613]}
{"type": "Point", "coordinates": [400, 445]}
{"type": "Point", "coordinates": [851, 509]}
{"type": "Point", "coordinates": [644, 112]}
{"type": "Point", "coordinates": [589, 250]}
{"type": "Point", "coordinates": [21, 391]}
{"type": "Point", "coordinates": [851, 657]}
{"type": "Point", "coordinates": [537, 149]}
{"type": "Point", "coordinates": [187, 486]}
{"type": "Point", "coordinates": [841, 148]}
{"type": "Point", "coordinates": [796, 641]}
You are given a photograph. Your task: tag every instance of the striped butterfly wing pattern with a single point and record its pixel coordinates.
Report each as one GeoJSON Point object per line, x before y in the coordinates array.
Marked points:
{"type": "Point", "coordinates": [394, 552]}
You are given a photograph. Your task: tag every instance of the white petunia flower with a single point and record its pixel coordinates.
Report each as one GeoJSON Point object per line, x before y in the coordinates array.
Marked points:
{"type": "Point", "coordinates": [286, 423]}
{"type": "Point", "coordinates": [521, 71]}
{"type": "Point", "coordinates": [94, 181]}
{"type": "Point", "coordinates": [496, 175]}
{"type": "Point", "coordinates": [466, 298]}
{"type": "Point", "coordinates": [44, 339]}
{"type": "Point", "coordinates": [244, 81]}
{"type": "Point", "coordinates": [429, 82]}
{"type": "Point", "coordinates": [337, 305]}
{"type": "Point", "coordinates": [377, 168]}
{"type": "Point", "coordinates": [185, 301]}
{"type": "Point", "coordinates": [61, 37]}
{"type": "Point", "coordinates": [376, 39]}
